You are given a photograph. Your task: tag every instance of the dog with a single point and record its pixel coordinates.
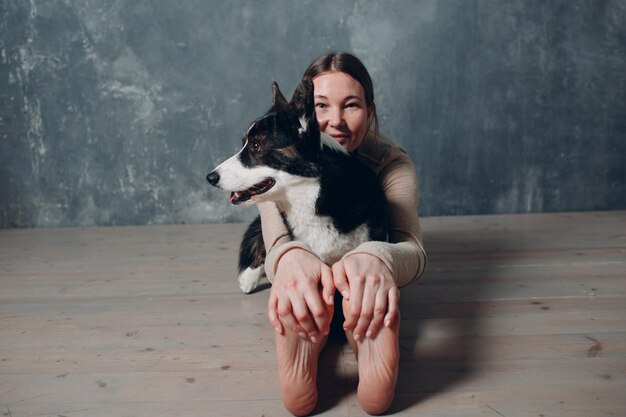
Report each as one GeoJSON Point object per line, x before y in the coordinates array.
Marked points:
{"type": "Point", "coordinates": [328, 199]}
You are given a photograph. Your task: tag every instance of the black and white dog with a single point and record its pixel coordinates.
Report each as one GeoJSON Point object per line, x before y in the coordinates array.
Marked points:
{"type": "Point", "coordinates": [329, 200]}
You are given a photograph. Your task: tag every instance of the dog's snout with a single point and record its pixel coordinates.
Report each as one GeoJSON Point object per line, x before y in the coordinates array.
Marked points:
{"type": "Point", "coordinates": [213, 178]}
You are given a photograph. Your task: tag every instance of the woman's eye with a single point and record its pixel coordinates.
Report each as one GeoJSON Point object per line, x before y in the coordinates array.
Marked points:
{"type": "Point", "coordinates": [320, 106]}
{"type": "Point", "coordinates": [352, 105]}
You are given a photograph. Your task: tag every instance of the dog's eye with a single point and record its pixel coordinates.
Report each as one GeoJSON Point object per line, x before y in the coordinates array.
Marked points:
{"type": "Point", "coordinates": [256, 146]}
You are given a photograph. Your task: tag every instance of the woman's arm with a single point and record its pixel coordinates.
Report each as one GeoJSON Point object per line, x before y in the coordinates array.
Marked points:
{"type": "Point", "coordinates": [274, 231]}
{"type": "Point", "coordinates": [404, 254]}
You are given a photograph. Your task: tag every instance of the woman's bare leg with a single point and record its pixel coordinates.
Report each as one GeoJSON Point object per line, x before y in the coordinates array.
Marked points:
{"type": "Point", "coordinates": [378, 367]}
{"type": "Point", "coordinates": [297, 371]}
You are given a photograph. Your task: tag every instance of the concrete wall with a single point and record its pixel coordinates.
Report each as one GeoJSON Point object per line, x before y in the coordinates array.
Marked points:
{"type": "Point", "coordinates": [113, 111]}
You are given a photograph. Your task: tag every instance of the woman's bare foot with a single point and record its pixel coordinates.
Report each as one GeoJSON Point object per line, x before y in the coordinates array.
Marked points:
{"type": "Point", "coordinates": [297, 371]}
{"type": "Point", "coordinates": [378, 367]}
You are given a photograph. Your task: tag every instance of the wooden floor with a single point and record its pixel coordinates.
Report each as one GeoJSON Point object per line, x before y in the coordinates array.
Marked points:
{"type": "Point", "coordinates": [520, 315]}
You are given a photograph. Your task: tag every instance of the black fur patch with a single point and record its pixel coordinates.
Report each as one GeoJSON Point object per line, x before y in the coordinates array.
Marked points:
{"type": "Point", "coordinates": [350, 194]}
{"type": "Point", "coordinates": [252, 249]}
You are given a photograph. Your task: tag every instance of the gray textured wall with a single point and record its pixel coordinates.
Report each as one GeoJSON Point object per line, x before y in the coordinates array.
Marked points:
{"type": "Point", "coordinates": [113, 111]}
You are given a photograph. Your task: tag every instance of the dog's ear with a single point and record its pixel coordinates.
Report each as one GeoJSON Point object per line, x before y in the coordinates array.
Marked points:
{"type": "Point", "coordinates": [303, 104]}
{"type": "Point", "coordinates": [279, 102]}
{"type": "Point", "coordinates": [302, 101]}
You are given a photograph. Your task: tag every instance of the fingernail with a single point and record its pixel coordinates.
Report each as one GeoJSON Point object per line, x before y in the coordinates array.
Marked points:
{"type": "Point", "coordinates": [357, 337]}
{"type": "Point", "coordinates": [277, 329]}
{"type": "Point", "coordinates": [387, 323]}
{"type": "Point", "coordinates": [330, 300]}
{"type": "Point", "coordinates": [313, 339]}
{"type": "Point", "coordinates": [302, 335]}
{"type": "Point", "coordinates": [345, 294]}
{"type": "Point", "coordinates": [368, 334]}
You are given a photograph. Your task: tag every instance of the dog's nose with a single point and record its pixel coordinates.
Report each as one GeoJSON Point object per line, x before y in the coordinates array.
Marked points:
{"type": "Point", "coordinates": [213, 178]}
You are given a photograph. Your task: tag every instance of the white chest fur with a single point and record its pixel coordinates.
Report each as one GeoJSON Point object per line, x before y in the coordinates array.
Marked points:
{"type": "Point", "coordinates": [319, 232]}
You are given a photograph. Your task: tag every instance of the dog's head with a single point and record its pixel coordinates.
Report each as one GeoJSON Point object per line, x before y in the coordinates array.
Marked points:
{"type": "Point", "coordinates": [279, 149]}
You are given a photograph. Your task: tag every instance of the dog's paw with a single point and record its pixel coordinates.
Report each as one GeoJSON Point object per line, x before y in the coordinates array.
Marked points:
{"type": "Point", "coordinates": [249, 279]}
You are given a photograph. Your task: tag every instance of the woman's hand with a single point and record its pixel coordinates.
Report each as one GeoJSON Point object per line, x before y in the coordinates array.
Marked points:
{"type": "Point", "coordinates": [296, 301]}
{"type": "Point", "coordinates": [372, 292]}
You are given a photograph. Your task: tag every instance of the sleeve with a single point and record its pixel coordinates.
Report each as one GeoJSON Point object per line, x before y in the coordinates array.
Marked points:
{"type": "Point", "coordinates": [404, 254]}
{"type": "Point", "coordinates": [276, 237]}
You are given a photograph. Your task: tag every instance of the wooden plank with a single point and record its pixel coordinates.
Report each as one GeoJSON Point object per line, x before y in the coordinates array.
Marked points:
{"type": "Point", "coordinates": [136, 356]}
{"type": "Point", "coordinates": [201, 408]}
{"type": "Point", "coordinates": [261, 383]}
{"type": "Point", "coordinates": [518, 315]}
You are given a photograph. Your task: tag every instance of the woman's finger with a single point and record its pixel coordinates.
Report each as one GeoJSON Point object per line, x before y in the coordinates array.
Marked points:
{"type": "Point", "coordinates": [317, 311]}
{"type": "Point", "coordinates": [302, 315]}
{"type": "Point", "coordinates": [285, 315]}
{"type": "Point", "coordinates": [392, 310]}
{"type": "Point", "coordinates": [367, 308]}
{"type": "Point", "coordinates": [380, 309]}
{"type": "Point", "coordinates": [355, 303]}
{"type": "Point", "coordinates": [272, 313]}
{"type": "Point", "coordinates": [328, 285]}
{"type": "Point", "coordinates": [340, 280]}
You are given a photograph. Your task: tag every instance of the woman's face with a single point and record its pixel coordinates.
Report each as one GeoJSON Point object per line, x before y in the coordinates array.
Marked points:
{"type": "Point", "coordinates": [341, 110]}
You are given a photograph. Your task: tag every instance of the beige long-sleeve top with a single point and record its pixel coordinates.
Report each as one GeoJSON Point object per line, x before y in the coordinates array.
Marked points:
{"type": "Point", "coordinates": [404, 253]}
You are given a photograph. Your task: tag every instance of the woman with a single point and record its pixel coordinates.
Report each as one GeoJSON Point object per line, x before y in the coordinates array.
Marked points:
{"type": "Point", "coordinates": [301, 300]}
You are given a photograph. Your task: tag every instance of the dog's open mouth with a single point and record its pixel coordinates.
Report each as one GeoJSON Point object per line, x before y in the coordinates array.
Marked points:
{"type": "Point", "coordinates": [239, 197]}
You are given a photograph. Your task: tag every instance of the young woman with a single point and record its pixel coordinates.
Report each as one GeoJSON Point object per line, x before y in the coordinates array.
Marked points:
{"type": "Point", "coordinates": [301, 300]}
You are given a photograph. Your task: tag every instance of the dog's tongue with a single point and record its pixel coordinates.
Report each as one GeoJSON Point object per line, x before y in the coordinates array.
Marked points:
{"type": "Point", "coordinates": [239, 196]}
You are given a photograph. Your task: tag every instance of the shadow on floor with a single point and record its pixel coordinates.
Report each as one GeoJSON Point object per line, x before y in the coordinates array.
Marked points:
{"type": "Point", "coordinates": [445, 303]}
{"type": "Point", "coordinates": [335, 382]}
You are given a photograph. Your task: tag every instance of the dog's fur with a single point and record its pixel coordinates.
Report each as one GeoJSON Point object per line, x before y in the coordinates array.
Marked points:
{"type": "Point", "coordinates": [329, 200]}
